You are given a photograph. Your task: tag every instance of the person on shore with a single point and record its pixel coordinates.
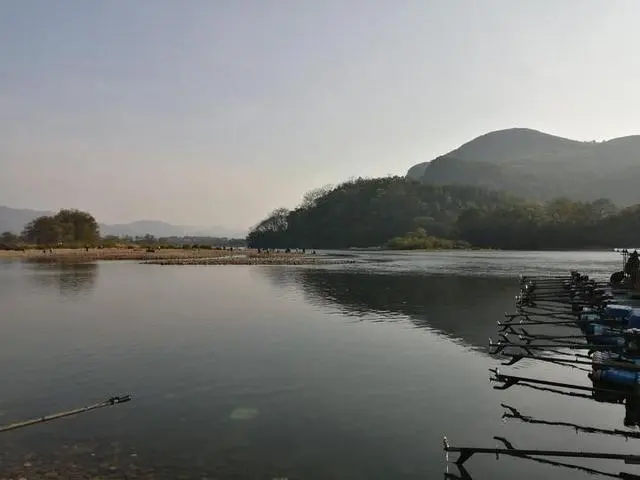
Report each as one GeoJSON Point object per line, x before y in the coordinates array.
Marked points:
{"type": "Point", "coordinates": [632, 266]}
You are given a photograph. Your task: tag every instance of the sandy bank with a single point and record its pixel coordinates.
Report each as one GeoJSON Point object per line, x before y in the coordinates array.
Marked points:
{"type": "Point", "coordinates": [252, 259]}
{"type": "Point", "coordinates": [81, 255]}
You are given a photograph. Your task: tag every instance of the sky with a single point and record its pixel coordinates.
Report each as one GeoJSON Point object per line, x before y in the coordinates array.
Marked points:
{"type": "Point", "coordinates": [215, 112]}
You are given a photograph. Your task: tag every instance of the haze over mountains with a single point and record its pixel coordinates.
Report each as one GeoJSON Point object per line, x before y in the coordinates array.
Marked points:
{"type": "Point", "coordinates": [539, 166]}
{"type": "Point", "coordinates": [13, 220]}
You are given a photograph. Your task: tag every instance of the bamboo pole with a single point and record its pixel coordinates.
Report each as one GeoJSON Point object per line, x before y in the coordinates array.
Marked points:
{"type": "Point", "coordinates": [467, 452]}
{"type": "Point", "coordinates": [47, 418]}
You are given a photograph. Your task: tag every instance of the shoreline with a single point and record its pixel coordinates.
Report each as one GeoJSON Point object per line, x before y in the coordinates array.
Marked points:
{"type": "Point", "coordinates": [205, 256]}
{"type": "Point", "coordinates": [81, 255]}
{"type": "Point", "coordinates": [273, 259]}
{"type": "Point", "coordinates": [168, 256]}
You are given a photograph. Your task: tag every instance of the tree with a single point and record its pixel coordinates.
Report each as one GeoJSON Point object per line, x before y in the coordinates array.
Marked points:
{"type": "Point", "coordinates": [43, 231]}
{"type": "Point", "coordinates": [310, 199]}
{"type": "Point", "coordinates": [148, 239]}
{"type": "Point", "coordinates": [77, 227]}
{"type": "Point", "coordinates": [270, 232]}
{"type": "Point", "coordinates": [67, 227]}
{"type": "Point", "coordinates": [9, 239]}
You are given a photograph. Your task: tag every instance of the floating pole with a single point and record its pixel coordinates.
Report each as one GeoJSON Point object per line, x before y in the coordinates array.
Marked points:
{"type": "Point", "coordinates": [467, 452]}
{"type": "Point", "coordinates": [564, 362]}
{"type": "Point", "coordinates": [555, 307]}
{"type": "Point", "coordinates": [464, 475]}
{"type": "Point", "coordinates": [566, 315]}
{"type": "Point", "coordinates": [554, 314]}
{"type": "Point", "coordinates": [549, 305]}
{"type": "Point", "coordinates": [615, 363]}
{"type": "Point", "coordinates": [106, 403]}
{"type": "Point", "coordinates": [529, 342]}
{"type": "Point", "coordinates": [605, 322]}
{"type": "Point", "coordinates": [524, 335]}
{"type": "Point", "coordinates": [511, 380]}
{"type": "Point", "coordinates": [531, 298]}
{"type": "Point", "coordinates": [515, 414]}
{"type": "Point", "coordinates": [560, 296]}
{"type": "Point", "coordinates": [508, 325]}
{"type": "Point", "coordinates": [541, 317]}
{"type": "Point", "coordinates": [612, 333]}
{"type": "Point", "coordinates": [559, 340]}
{"type": "Point", "coordinates": [574, 322]}
{"type": "Point", "coordinates": [500, 346]}
{"type": "Point", "coordinates": [571, 346]}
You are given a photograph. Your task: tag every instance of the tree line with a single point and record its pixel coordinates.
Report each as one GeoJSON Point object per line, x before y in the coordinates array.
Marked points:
{"type": "Point", "coordinates": [73, 228]}
{"type": "Point", "coordinates": [149, 240]}
{"type": "Point", "coordinates": [402, 213]}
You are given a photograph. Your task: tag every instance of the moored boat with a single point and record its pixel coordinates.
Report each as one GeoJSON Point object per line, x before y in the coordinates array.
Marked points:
{"type": "Point", "coordinates": [605, 345]}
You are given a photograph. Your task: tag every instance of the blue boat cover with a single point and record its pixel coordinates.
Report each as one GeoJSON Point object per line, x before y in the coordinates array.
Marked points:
{"type": "Point", "coordinates": [620, 377]}
{"type": "Point", "coordinates": [634, 318]}
{"type": "Point", "coordinates": [618, 311]}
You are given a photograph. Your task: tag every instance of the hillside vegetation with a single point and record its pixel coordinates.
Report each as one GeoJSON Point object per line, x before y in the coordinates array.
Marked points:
{"type": "Point", "coordinates": [538, 166]}
{"type": "Point", "coordinates": [400, 213]}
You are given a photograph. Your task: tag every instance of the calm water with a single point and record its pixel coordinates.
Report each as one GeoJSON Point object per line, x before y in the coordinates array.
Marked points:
{"type": "Point", "coordinates": [348, 372]}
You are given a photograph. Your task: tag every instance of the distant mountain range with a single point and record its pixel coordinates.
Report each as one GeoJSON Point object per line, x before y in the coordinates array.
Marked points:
{"type": "Point", "coordinates": [14, 220]}
{"type": "Point", "coordinates": [539, 166]}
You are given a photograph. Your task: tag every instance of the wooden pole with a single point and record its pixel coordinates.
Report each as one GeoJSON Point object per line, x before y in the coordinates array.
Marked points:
{"type": "Point", "coordinates": [467, 452]}
{"type": "Point", "coordinates": [511, 380]}
{"type": "Point", "coordinates": [55, 416]}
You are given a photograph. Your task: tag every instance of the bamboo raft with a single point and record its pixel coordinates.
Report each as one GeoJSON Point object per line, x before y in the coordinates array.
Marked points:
{"type": "Point", "coordinates": [605, 346]}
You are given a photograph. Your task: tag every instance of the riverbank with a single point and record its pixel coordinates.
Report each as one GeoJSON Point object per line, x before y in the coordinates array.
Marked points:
{"type": "Point", "coordinates": [81, 255]}
{"type": "Point", "coordinates": [169, 256]}
{"type": "Point", "coordinates": [253, 259]}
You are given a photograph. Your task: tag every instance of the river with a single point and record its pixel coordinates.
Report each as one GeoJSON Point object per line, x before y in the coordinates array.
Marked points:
{"type": "Point", "coordinates": [350, 371]}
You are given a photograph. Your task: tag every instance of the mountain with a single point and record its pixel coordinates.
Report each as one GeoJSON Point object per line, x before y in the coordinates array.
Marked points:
{"type": "Point", "coordinates": [540, 166]}
{"type": "Point", "coordinates": [14, 220]}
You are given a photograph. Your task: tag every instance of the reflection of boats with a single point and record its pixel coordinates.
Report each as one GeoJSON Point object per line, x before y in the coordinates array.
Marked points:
{"type": "Point", "coordinates": [606, 347]}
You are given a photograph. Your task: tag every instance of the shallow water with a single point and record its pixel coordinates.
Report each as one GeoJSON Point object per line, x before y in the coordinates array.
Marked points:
{"type": "Point", "coordinates": [344, 371]}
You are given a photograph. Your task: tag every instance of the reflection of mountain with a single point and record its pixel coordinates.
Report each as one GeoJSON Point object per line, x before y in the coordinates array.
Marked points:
{"type": "Point", "coordinates": [69, 279]}
{"type": "Point", "coordinates": [464, 308]}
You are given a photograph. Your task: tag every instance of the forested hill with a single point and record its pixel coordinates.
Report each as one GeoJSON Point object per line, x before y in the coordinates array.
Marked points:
{"type": "Point", "coordinates": [540, 166]}
{"type": "Point", "coordinates": [365, 213]}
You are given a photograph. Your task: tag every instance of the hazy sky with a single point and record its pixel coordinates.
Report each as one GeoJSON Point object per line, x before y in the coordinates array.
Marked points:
{"type": "Point", "coordinates": [214, 112]}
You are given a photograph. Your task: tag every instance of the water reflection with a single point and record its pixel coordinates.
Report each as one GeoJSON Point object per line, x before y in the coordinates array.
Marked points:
{"type": "Point", "coordinates": [463, 308]}
{"type": "Point", "coordinates": [67, 279]}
